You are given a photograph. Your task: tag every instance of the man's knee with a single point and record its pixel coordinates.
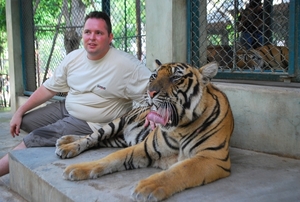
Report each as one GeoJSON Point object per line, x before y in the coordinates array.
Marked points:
{"type": "Point", "coordinates": [41, 137]}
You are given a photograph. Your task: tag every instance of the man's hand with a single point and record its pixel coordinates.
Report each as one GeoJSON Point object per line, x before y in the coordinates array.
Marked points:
{"type": "Point", "coordinates": [15, 124]}
{"type": "Point", "coordinates": [41, 95]}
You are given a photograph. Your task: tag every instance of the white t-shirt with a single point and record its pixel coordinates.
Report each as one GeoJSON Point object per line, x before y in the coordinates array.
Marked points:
{"type": "Point", "coordinates": [99, 90]}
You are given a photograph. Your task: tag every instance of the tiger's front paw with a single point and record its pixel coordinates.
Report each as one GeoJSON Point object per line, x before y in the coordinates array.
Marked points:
{"type": "Point", "coordinates": [68, 139]}
{"type": "Point", "coordinates": [67, 146]}
{"type": "Point", "coordinates": [150, 190]}
{"type": "Point", "coordinates": [67, 151]}
{"type": "Point", "coordinates": [81, 171]}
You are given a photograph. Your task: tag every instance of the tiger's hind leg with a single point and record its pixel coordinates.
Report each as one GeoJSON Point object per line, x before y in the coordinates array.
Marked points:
{"type": "Point", "coordinates": [185, 174]}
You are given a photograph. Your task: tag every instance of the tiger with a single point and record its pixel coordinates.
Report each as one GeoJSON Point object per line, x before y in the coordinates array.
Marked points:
{"type": "Point", "coordinates": [184, 127]}
{"type": "Point", "coordinates": [222, 54]}
{"type": "Point", "coordinates": [268, 57]}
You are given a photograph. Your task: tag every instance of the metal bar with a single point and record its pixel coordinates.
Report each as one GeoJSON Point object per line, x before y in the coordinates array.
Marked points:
{"type": "Point", "coordinates": [292, 37]}
{"type": "Point", "coordinates": [106, 6]}
{"type": "Point", "coordinates": [188, 27]}
{"type": "Point", "coordinates": [138, 29]}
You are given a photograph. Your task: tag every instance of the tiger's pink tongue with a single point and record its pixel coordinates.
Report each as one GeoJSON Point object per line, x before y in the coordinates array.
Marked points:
{"type": "Point", "coordinates": [153, 118]}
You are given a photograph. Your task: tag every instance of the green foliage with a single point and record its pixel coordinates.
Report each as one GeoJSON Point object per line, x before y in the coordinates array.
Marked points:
{"type": "Point", "coordinates": [124, 23]}
{"type": "Point", "coordinates": [3, 38]}
{"type": "Point", "coordinates": [215, 39]}
{"type": "Point", "coordinates": [2, 26]}
{"type": "Point", "coordinates": [231, 32]}
{"type": "Point", "coordinates": [2, 16]}
{"type": "Point", "coordinates": [46, 16]}
{"type": "Point", "coordinates": [47, 12]}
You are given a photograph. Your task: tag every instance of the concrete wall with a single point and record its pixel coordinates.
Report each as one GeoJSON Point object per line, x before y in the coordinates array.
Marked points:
{"type": "Point", "coordinates": [267, 119]}
{"type": "Point", "coordinates": [14, 51]}
{"type": "Point", "coordinates": [165, 21]}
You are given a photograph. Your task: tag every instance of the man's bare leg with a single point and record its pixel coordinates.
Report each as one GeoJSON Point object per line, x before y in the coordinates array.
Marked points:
{"type": "Point", "coordinates": [4, 167]}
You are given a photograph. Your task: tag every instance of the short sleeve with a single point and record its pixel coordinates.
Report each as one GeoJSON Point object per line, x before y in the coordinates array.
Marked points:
{"type": "Point", "coordinates": [58, 81]}
{"type": "Point", "coordinates": [136, 86]}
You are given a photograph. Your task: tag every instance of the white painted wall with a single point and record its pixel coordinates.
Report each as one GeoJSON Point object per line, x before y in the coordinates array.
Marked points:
{"type": "Point", "coordinates": [267, 118]}
{"type": "Point", "coordinates": [165, 21]}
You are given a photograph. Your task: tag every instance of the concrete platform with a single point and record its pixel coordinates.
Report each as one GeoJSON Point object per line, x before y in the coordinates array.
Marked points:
{"type": "Point", "coordinates": [36, 174]}
{"type": "Point", "coordinates": [6, 194]}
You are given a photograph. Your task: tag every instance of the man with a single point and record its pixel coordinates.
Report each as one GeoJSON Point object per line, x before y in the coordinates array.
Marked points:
{"type": "Point", "coordinates": [101, 83]}
{"type": "Point", "coordinates": [251, 25]}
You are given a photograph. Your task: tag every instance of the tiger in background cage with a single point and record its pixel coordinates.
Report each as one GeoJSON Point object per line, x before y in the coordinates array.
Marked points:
{"type": "Point", "coordinates": [268, 57]}
{"type": "Point", "coordinates": [222, 54]}
{"type": "Point", "coordinates": [264, 58]}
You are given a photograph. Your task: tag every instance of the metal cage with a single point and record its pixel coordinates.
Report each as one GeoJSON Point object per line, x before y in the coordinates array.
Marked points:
{"type": "Point", "coordinates": [248, 38]}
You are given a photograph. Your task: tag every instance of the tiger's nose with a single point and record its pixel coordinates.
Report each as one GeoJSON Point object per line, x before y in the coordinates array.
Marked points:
{"type": "Point", "coordinates": [152, 93]}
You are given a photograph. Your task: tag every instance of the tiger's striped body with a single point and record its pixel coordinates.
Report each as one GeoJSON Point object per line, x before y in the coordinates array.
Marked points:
{"type": "Point", "coordinates": [192, 123]}
{"type": "Point", "coordinates": [118, 133]}
{"type": "Point", "coordinates": [268, 57]}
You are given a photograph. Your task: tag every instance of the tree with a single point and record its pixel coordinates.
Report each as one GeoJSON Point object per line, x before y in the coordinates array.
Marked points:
{"type": "Point", "coordinates": [48, 15]}
{"type": "Point", "coordinates": [74, 18]}
{"type": "Point", "coordinates": [128, 19]}
{"type": "Point", "coordinates": [3, 39]}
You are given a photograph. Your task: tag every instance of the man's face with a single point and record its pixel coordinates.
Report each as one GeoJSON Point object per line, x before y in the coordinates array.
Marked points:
{"type": "Point", "coordinates": [96, 39]}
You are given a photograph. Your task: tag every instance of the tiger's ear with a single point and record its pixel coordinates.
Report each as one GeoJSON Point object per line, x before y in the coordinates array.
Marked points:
{"type": "Point", "coordinates": [156, 64]}
{"type": "Point", "coordinates": [209, 70]}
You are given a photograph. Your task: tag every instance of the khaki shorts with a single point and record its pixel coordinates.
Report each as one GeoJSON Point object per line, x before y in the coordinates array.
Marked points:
{"type": "Point", "coordinates": [47, 124]}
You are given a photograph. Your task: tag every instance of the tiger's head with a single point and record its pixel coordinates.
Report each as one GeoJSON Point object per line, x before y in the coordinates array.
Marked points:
{"type": "Point", "coordinates": [174, 93]}
{"type": "Point", "coordinates": [250, 59]}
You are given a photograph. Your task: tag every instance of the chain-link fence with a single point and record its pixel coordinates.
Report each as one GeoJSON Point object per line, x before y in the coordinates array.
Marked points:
{"type": "Point", "coordinates": [240, 38]}
{"type": "Point", "coordinates": [58, 28]}
{"type": "Point", "coordinates": [241, 35]}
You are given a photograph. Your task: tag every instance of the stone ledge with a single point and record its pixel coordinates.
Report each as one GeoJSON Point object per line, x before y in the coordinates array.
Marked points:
{"type": "Point", "coordinates": [36, 174]}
